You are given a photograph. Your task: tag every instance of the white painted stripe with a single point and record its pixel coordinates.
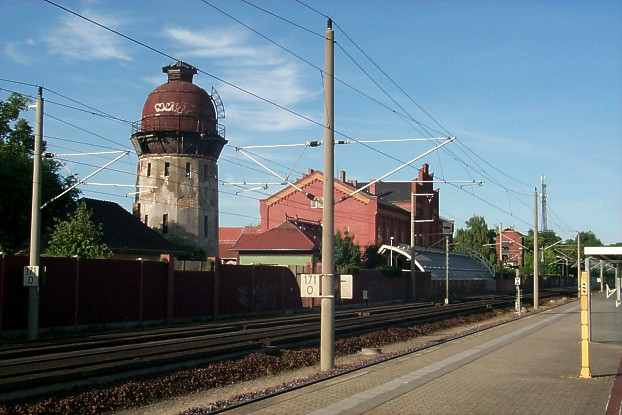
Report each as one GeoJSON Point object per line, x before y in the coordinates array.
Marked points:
{"type": "Point", "coordinates": [362, 397]}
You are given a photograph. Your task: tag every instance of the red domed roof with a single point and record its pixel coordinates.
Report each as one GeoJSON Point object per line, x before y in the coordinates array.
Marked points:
{"type": "Point", "coordinates": [179, 105]}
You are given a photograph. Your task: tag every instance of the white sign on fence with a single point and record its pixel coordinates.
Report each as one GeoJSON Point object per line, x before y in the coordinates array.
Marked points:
{"type": "Point", "coordinates": [310, 285]}
{"type": "Point", "coordinates": [31, 276]}
{"type": "Point", "coordinates": [345, 286]}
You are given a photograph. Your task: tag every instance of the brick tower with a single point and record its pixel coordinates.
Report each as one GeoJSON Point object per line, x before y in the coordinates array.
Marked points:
{"type": "Point", "coordinates": [178, 141]}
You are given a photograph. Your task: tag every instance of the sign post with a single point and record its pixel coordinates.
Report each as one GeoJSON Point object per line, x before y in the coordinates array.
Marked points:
{"type": "Point", "coordinates": [584, 299]}
{"type": "Point", "coordinates": [310, 285]}
{"type": "Point", "coordinates": [517, 304]}
{"type": "Point", "coordinates": [31, 276]}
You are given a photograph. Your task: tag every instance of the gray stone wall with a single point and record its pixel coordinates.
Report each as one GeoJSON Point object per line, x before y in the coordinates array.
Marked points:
{"type": "Point", "coordinates": [188, 197]}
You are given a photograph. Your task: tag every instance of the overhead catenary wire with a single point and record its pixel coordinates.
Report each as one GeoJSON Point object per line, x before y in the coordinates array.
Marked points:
{"type": "Point", "coordinates": [263, 99]}
{"type": "Point", "coordinates": [220, 79]}
{"type": "Point", "coordinates": [298, 56]}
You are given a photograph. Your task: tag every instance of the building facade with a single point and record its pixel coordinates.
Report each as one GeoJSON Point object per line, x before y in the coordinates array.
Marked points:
{"type": "Point", "coordinates": [178, 142]}
{"type": "Point", "coordinates": [509, 247]}
{"type": "Point", "coordinates": [372, 217]}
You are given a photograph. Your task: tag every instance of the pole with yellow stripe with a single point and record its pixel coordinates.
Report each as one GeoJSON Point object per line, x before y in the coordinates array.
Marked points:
{"type": "Point", "coordinates": [584, 303]}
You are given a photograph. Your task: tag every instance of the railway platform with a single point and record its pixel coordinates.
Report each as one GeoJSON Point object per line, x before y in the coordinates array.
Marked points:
{"type": "Point", "coordinates": [528, 366]}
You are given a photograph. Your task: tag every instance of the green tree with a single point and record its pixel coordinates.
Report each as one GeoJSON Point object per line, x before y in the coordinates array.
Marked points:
{"type": "Point", "coordinates": [16, 147]}
{"type": "Point", "coordinates": [78, 235]}
{"type": "Point", "coordinates": [475, 237]}
{"type": "Point", "coordinates": [347, 253]}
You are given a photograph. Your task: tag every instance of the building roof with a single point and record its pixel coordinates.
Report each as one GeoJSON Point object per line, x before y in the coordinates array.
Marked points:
{"type": "Point", "coordinates": [390, 191]}
{"type": "Point", "coordinates": [123, 232]}
{"type": "Point", "coordinates": [285, 237]}
{"type": "Point", "coordinates": [461, 266]}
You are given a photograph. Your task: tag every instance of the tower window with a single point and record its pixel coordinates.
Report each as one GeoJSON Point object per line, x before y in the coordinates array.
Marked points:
{"type": "Point", "coordinates": [146, 220]}
{"type": "Point", "coordinates": [137, 211]}
{"type": "Point", "coordinates": [205, 226]}
{"type": "Point", "coordinates": [165, 223]}
{"type": "Point", "coordinates": [167, 168]}
{"type": "Point", "coordinates": [148, 169]}
{"type": "Point", "coordinates": [187, 169]}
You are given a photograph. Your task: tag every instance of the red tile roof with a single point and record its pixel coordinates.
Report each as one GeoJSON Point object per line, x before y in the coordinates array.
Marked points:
{"type": "Point", "coordinates": [286, 236]}
{"type": "Point", "coordinates": [227, 238]}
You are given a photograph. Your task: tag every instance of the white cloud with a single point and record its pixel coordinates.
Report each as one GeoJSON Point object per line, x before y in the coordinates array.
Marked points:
{"type": "Point", "coordinates": [262, 70]}
{"type": "Point", "coordinates": [263, 119]}
{"type": "Point", "coordinates": [77, 39]}
{"type": "Point", "coordinates": [17, 51]}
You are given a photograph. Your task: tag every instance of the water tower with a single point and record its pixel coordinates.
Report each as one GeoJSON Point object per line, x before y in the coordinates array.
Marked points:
{"type": "Point", "coordinates": [178, 141]}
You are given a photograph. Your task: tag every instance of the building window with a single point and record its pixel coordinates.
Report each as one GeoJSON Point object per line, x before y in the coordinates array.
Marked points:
{"type": "Point", "coordinates": [205, 226]}
{"type": "Point", "coordinates": [317, 203]}
{"type": "Point", "coordinates": [148, 169]}
{"type": "Point", "coordinates": [165, 223]}
{"type": "Point", "coordinates": [167, 168]}
{"type": "Point", "coordinates": [187, 169]}
{"type": "Point", "coordinates": [146, 220]}
{"type": "Point", "coordinates": [137, 211]}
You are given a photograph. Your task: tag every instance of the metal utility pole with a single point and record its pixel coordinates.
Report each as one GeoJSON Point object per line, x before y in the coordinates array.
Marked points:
{"type": "Point", "coordinates": [327, 323]}
{"type": "Point", "coordinates": [536, 259]}
{"type": "Point", "coordinates": [35, 221]}
{"type": "Point", "coordinates": [446, 270]}
{"type": "Point", "coordinates": [544, 201]}
{"type": "Point", "coordinates": [500, 255]}
{"type": "Point", "coordinates": [412, 243]}
{"type": "Point", "coordinates": [602, 283]}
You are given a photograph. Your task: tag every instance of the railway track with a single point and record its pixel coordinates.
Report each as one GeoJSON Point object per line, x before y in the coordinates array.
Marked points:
{"type": "Point", "coordinates": [29, 370]}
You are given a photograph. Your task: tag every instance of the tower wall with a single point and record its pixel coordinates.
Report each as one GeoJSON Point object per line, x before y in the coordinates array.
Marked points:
{"type": "Point", "coordinates": [186, 191]}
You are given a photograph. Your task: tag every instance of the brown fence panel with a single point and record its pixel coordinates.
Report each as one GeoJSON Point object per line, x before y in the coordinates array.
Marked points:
{"type": "Point", "coordinates": [57, 292]}
{"type": "Point", "coordinates": [236, 289]}
{"type": "Point", "coordinates": [15, 294]}
{"type": "Point", "coordinates": [154, 290]}
{"type": "Point", "coordinates": [109, 291]}
{"type": "Point", "coordinates": [193, 293]}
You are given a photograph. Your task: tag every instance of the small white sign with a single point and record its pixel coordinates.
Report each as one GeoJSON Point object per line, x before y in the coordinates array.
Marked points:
{"type": "Point", "coordinates": [345, 286]}
{"type": "Point", "coordinates": [517, 281]}
{"type": "Point", "coordinates": [364, 294]}
{"type": "Point", "coordinates": [31, 276]}
{"type": "Point", "coordinates": [310, 285]}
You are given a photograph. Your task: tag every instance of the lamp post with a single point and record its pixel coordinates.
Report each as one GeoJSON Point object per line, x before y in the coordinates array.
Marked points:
{"type": "Point", "coordinates": [391, 260]}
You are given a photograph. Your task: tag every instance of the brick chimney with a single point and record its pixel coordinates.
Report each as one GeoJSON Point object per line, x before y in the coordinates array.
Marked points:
{"type": "Point", "coordinates": [342, 175]}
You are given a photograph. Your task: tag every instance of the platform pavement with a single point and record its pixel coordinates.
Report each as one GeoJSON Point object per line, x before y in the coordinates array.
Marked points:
{"type": "Point", "coordinates": [529, 366]}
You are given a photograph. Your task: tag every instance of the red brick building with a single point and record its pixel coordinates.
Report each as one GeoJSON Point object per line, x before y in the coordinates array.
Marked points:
{"type": "Point", "coordinates": [510, 248]}
{"type": "Point", "coordinates": [372, 217]}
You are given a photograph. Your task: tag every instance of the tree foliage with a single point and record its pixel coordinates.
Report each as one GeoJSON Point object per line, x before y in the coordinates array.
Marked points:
{"type": "Point", "coordinates": [16, 148]}
{"type": "Point", "coordinates": [78, 235]}
{"type": "Point", "coordinates": [474, 237]}
{"type": "Point", "coordinates": [347, 253]}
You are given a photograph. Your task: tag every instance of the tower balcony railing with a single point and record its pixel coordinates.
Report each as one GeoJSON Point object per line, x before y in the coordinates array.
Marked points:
{"type": "Point", "coordinates": [177, 122]}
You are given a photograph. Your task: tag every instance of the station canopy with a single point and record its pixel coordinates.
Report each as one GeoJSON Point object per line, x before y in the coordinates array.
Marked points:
{"type": "Point", "coordinates": [611, 254]}
{"type": "Point", "coordinates": [461, 266]}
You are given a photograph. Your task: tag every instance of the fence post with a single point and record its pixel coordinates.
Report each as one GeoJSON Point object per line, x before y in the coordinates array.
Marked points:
{"type": "Point", "coordinates": [2, 276]}
{"type": "Point", "coordinates": [140, 291]}
{"type": "Point", "coordinates": [216, 290]}
{"type": "Point", "coordinates": [252, 302]}
{"type": "Point", "coordinates": [170, 285]}
{"type": "Point", "coordinates": [76, 293]}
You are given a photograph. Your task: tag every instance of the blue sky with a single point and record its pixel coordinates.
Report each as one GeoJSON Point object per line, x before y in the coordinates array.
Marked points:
{"type": "Point", "coordinates": [532, 87]}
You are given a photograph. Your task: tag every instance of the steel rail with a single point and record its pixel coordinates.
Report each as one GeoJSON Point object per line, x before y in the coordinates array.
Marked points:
{"type": "Point", "coordinates": [21, 374]}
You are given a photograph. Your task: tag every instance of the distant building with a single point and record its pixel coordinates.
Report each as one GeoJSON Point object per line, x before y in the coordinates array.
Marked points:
{"type": "Point", "coordinates": [509, 247]}
{"type": "Point", "coordinates": [125, 234]}
{"type": "Point", "coordinates": [294, 243]}
{"type": "Point", "coordinates": [372, 216]}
